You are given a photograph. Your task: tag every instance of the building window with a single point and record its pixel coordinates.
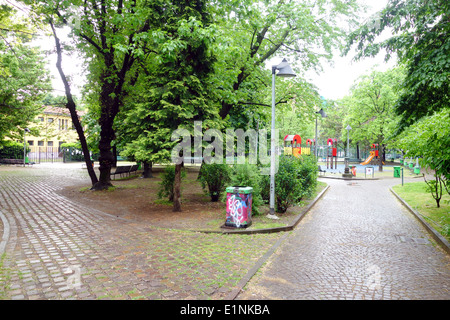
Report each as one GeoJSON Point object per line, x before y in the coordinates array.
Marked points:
{"type": "Point", "coordinates": [40, 143]}
{"type": "Point", "coordinates": [30, 142]}
{"type": "Point", "coordinates": [41, 119]}
{"type": "Point", "coordinates": [50, 120]}
{"type": "Point", "coordinates": [50, 144]}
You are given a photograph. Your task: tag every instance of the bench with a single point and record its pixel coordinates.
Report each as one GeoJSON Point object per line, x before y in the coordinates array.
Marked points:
{"type": "Point", "coordinates": [134, 168]}
{"type": "Point", "coordinates": [15, 161]}
{"type": "Point", "coordinates": [321, 171]}
{"type": "Point", "coordinates": [125, 170]}
{"type": "Point", "coordinates": [121, 170]}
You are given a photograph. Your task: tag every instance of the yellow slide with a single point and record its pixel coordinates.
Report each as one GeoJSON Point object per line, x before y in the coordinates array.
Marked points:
{"type": "Point", "coordinates": [372, 154]}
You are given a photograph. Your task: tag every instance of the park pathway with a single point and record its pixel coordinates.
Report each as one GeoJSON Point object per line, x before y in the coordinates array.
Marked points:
{"type": "Point", "coordinates": [358, 242]}
{"type": "Point", "coordinates": [52, 248]}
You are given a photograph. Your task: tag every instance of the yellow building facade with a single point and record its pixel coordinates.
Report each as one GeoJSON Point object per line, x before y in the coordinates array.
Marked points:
{"type": "Point", "coordinates": [55, 127]}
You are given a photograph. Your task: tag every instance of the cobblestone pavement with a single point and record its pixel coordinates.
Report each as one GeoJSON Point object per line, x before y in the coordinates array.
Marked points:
{"type": "Point", "coordinates": [358, 242]}
{"type": "Point", "coordinates": [51, 248]}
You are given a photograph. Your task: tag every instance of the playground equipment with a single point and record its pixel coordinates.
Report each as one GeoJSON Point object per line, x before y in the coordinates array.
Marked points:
{"type": "Point", "coordinates": [373, 154]}
{"type": "Point", "coordinates": [307, 150]}
{"type": "Point", "coordinates": [293, 146]}
{"type": "Point", "coordinates": [369, 158]}
{"type": "Point", "coordinates": [332, 154]}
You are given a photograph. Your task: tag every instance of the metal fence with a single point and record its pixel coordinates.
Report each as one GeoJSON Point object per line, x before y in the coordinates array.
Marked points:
{"type": "Point", "coordinates": [45, 154]}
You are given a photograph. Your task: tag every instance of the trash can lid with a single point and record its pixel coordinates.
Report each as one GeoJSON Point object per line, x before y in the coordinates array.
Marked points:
{"type": "Point", "coordinates": [239, 189]}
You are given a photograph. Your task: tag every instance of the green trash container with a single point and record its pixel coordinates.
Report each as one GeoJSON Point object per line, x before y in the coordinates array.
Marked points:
{"type": "Point", "coordinates": [411, 165]}
{"type": "Point", "coordinates": [401, 161]}
{"type": "Point", "coordinates": [239, 207]}
{"type": "Point", "coordinates": [417, 169]}
{"type": "Point", "coordinates": [397, 172]}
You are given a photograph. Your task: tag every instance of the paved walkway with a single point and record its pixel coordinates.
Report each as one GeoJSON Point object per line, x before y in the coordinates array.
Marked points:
{"type": "Point", "coordinates": [358, 242]}
{"type": "Point", "coordinates": [55, 249]}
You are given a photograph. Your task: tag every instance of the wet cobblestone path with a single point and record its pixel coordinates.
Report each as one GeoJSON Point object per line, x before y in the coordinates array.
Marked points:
{"type": "Point", "coordinates": [52, 248]}
{"type": "Point", "coordinates": [358, 242]}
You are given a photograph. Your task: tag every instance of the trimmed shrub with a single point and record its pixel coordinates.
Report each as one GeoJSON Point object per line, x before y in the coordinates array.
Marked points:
{"type": "Point", "coordinates": [12, 150]}
{"type": "Point", "coordinates": [215, 178]}
{"type": "Point", "coordinates": [249, 175]}
{"type": "Point", "coordinates": [296, 178]}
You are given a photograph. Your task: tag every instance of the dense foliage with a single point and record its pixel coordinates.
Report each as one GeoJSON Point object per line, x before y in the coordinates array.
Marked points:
{"type": "Point", "coordinates": [421, 40]}
{"type": "Point", "coordinates": [23, 78]}
{"type": "Point", "coordinates": [429, 139]}
{"type": "Point", "coordinates": [214, 178]}
{"type": "Point", "coordinates": [295, 179]}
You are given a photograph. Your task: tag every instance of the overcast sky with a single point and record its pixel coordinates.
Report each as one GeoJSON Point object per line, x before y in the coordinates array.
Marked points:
{"type": "Point", "coordinates": [333, 83]}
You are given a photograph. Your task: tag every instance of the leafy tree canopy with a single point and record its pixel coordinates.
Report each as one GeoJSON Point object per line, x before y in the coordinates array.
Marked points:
{"type": "Point", "coordinates": [421, 40]}
{"type": "Point", "coordinates": [23, 78]}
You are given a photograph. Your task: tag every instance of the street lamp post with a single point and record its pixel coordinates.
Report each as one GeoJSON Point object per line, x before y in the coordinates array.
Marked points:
{"type": "Point", "coordinates": [347, 173]}
{"type": "Point", "coordinates": [25, 145]}
{"type": "Point", "coordinates": [284, 70]}
{"type": "Point", "coordinates": [322, 113]}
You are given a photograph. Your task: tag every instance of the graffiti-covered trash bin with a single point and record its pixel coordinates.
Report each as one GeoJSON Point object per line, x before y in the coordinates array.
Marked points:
{"type": "Point", "coordinates": [239, 207]}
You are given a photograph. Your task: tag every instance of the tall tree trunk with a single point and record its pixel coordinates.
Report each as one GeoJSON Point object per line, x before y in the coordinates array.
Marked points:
{"type": "Point", "coordinates": [147, 170]}
{"type": "Point", "coordinates": [106, 158]}
{"type": "Point", "coordinates": [177, 188]}
{"type": "Point", "coordinates": [380, 157]}
{"type": "Point", "coordinates": [73, 112]}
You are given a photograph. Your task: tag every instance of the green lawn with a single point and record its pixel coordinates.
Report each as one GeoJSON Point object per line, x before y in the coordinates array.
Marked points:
{"type": "Point", "coordinates": [416, 195]}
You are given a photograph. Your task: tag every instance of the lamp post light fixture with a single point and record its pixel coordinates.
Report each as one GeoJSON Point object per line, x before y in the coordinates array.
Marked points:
{"type": "Point", "coordinates": [285, 71]}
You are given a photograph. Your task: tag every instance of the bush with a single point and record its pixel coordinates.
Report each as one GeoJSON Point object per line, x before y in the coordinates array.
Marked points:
{"type": "Point", "coordinates": [12, 150]}
{"type": "Point", "coordinates": [248, 175]}
{"type": "Point", "coordinates": [166, 184]}
{"type": "Point", "coordinates": [215, 178]}
{"type": "Point", "coordinates": [295, 179]}
{"type": "Point", "coordinates": [307, 173]}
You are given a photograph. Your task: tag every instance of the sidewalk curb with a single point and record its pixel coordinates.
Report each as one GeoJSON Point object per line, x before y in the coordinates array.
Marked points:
{"type": "Point", "coordinates": [235, 292]}
{"type": "Point", "coordinates": [435, 235]}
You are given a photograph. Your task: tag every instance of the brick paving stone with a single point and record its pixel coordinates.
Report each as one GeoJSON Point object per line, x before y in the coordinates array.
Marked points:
{"type": "Point", "coordinates": [357, 243]}
{"type": "Point", "coordinates": [64, 250]}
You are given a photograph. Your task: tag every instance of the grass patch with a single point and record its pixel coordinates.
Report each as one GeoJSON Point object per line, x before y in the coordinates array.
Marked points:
{"type": "Point", "coordinates": [163, 202]}
{"type": "Point", "coordinates": [417, 196]}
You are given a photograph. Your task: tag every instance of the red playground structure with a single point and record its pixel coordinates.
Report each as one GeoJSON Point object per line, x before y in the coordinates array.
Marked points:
{"type": "Point", "coordinates": [332, 154]}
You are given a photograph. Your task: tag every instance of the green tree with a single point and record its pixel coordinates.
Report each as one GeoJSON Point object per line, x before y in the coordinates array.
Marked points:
{"type": "Point", "coordinates": [370, 109]}
{"type": "Point", "coordinates": [23, 78]}
{"type": "Point", "coordinates": [421, 40]}
{"type": "Point", "coordinates": [253, 32]}
{"type": "Point", "coordinates": [113, 37]}
{"type": "Point", "coordinates": [174, 89]}
{"type": "Point", "coordinates": [429, 139]}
